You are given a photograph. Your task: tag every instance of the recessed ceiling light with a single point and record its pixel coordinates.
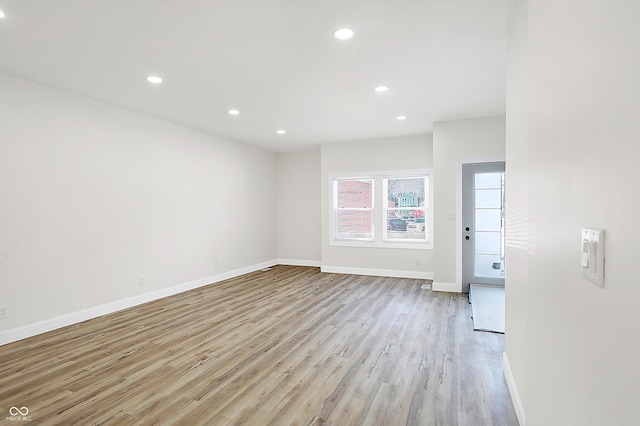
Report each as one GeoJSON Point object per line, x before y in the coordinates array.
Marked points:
{"type": "Point", "coordinates": [281, 132]}
{"type": "Point", "coordinates": [401, 117]}
{"type": "Point", "coordinates": [154, 79]}
{"type": "Point", "coordinates": [343, 33]}
{"type": "Point", "coordinates": [381, 89]}
{"type": "Point", "coordinates": [2, 15]}
{"type": "Point", "coordinates": [234, 112]}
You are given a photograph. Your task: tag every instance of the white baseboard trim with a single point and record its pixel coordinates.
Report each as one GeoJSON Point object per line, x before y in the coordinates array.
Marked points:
{"type": "Point", "coordinates": [446, 287]}
{"type": "Point", "coordinates": [377, 272]}
{"type": "Point", "coordinates": [300, 262]}
{"type": "Point", "coordinates": [44, 326]}
{"type": "Point", "coordinates": [513, 389]}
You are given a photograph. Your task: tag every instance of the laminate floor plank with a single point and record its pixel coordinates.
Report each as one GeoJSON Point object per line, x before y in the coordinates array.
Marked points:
{"type": "Point", "coordinates": [288, 346]}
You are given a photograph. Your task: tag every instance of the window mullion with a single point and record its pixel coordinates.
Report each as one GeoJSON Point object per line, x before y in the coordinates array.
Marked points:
{"type": "Point", "coordinates": [378, 213]}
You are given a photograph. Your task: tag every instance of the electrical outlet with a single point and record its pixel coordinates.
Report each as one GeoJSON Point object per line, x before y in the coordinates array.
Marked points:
{"type": "Point", "coordinates": [3, 311]}
{"type": "Point", "coordinates": [141, 281]}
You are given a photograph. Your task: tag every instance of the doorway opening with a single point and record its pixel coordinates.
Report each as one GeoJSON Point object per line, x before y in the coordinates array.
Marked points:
{"type": "Point", "coordinates": [483, 233]}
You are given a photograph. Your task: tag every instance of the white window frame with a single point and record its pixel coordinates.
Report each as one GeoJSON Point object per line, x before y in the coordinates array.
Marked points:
{"type": "Point", "coordinates": [379, 230]}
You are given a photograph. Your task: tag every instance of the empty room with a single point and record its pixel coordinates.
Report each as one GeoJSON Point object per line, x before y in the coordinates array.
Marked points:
{"type": "Point", "coordinates": [297, 212]}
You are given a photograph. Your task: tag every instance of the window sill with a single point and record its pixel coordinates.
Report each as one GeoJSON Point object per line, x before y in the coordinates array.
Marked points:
{"type": "Point", "coordinates": [385, 244]}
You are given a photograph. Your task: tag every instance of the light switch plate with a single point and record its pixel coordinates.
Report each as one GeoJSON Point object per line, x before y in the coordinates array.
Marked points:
{"type": "Point", "coordinates": [592, 255]}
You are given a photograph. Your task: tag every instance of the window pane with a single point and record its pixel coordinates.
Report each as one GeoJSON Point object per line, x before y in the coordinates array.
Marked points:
{"type": "Point", "coordinates": [406, 192]}
{"type": "Point", "coordinates": [357, 193]}
{"type": "Point", "coordinates": [354, 224]}
{"type": "Point", "coordinates": [406, 224]}
{"type": "Point", "coordinates": [408, 215]}
{"type": "Point", "coordinates": [406, 202]}
{"type": "Point", "coordinates": [417, 229]}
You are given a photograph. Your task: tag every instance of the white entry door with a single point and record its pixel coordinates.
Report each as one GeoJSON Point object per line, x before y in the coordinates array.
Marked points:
{"type": "Point", "coordinates": [483, 224]}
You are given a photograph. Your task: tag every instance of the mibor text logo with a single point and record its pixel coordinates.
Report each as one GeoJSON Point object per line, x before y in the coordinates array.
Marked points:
{"type": "Point", "coordinates": [18, 414]}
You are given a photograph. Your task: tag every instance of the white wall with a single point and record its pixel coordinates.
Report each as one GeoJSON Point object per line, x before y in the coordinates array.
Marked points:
{"type": "Point", "coordinates": [583, 146]}
{"type": "Point", "coordinates": [298, 177]}
{"type": "Point", "coordinates": [454, 143]}
{"type": "Point", "coordinates": [412, 152]}
{"type": "Point", "coordinates": [518, 227]}
{"type": "Point", "coordinates": [93, 197]}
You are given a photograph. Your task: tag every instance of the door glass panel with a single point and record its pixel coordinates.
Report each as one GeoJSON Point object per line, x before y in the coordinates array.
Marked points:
{"type": "Point", "coordinates": [489, 224]}
{"type": "Point", "coordinates": [485, 264]}
{"type": "Point", "coordinates": [488, 219]}
{"type": "Point", "coordinates": [488, 243]}
{"type": "Point", "coordinates": [488, 198]}
{"type": "Point", "coordinates": [488, 180]}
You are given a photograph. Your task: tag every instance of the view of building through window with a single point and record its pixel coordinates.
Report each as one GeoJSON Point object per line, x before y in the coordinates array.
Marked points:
{"type": "Point", "coordinates": [354, 208]}
{"type": "Point", "coordinates": [405, 208]}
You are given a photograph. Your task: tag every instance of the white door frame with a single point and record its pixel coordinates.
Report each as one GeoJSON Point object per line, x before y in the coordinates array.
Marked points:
{"type": "Point", "coordinates": [459, 164]}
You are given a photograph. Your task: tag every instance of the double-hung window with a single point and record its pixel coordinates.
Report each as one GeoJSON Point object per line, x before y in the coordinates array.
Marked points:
{"type": "Point", "coordinates": [353, 208]}
{"type": "Point", "coordinates": [382, 209]}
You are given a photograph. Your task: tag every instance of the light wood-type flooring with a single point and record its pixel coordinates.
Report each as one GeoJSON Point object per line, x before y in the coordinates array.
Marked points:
{"type": "Point", "coordinates": [287, 346]}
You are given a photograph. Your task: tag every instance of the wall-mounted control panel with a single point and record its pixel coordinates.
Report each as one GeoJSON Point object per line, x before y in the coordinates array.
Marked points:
{"type": "Point", "coordinates": [593, 255]}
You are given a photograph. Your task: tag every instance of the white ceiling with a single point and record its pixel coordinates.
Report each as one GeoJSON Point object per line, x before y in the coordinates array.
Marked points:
{"type": "Point", "coordinates": [274, 60]}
